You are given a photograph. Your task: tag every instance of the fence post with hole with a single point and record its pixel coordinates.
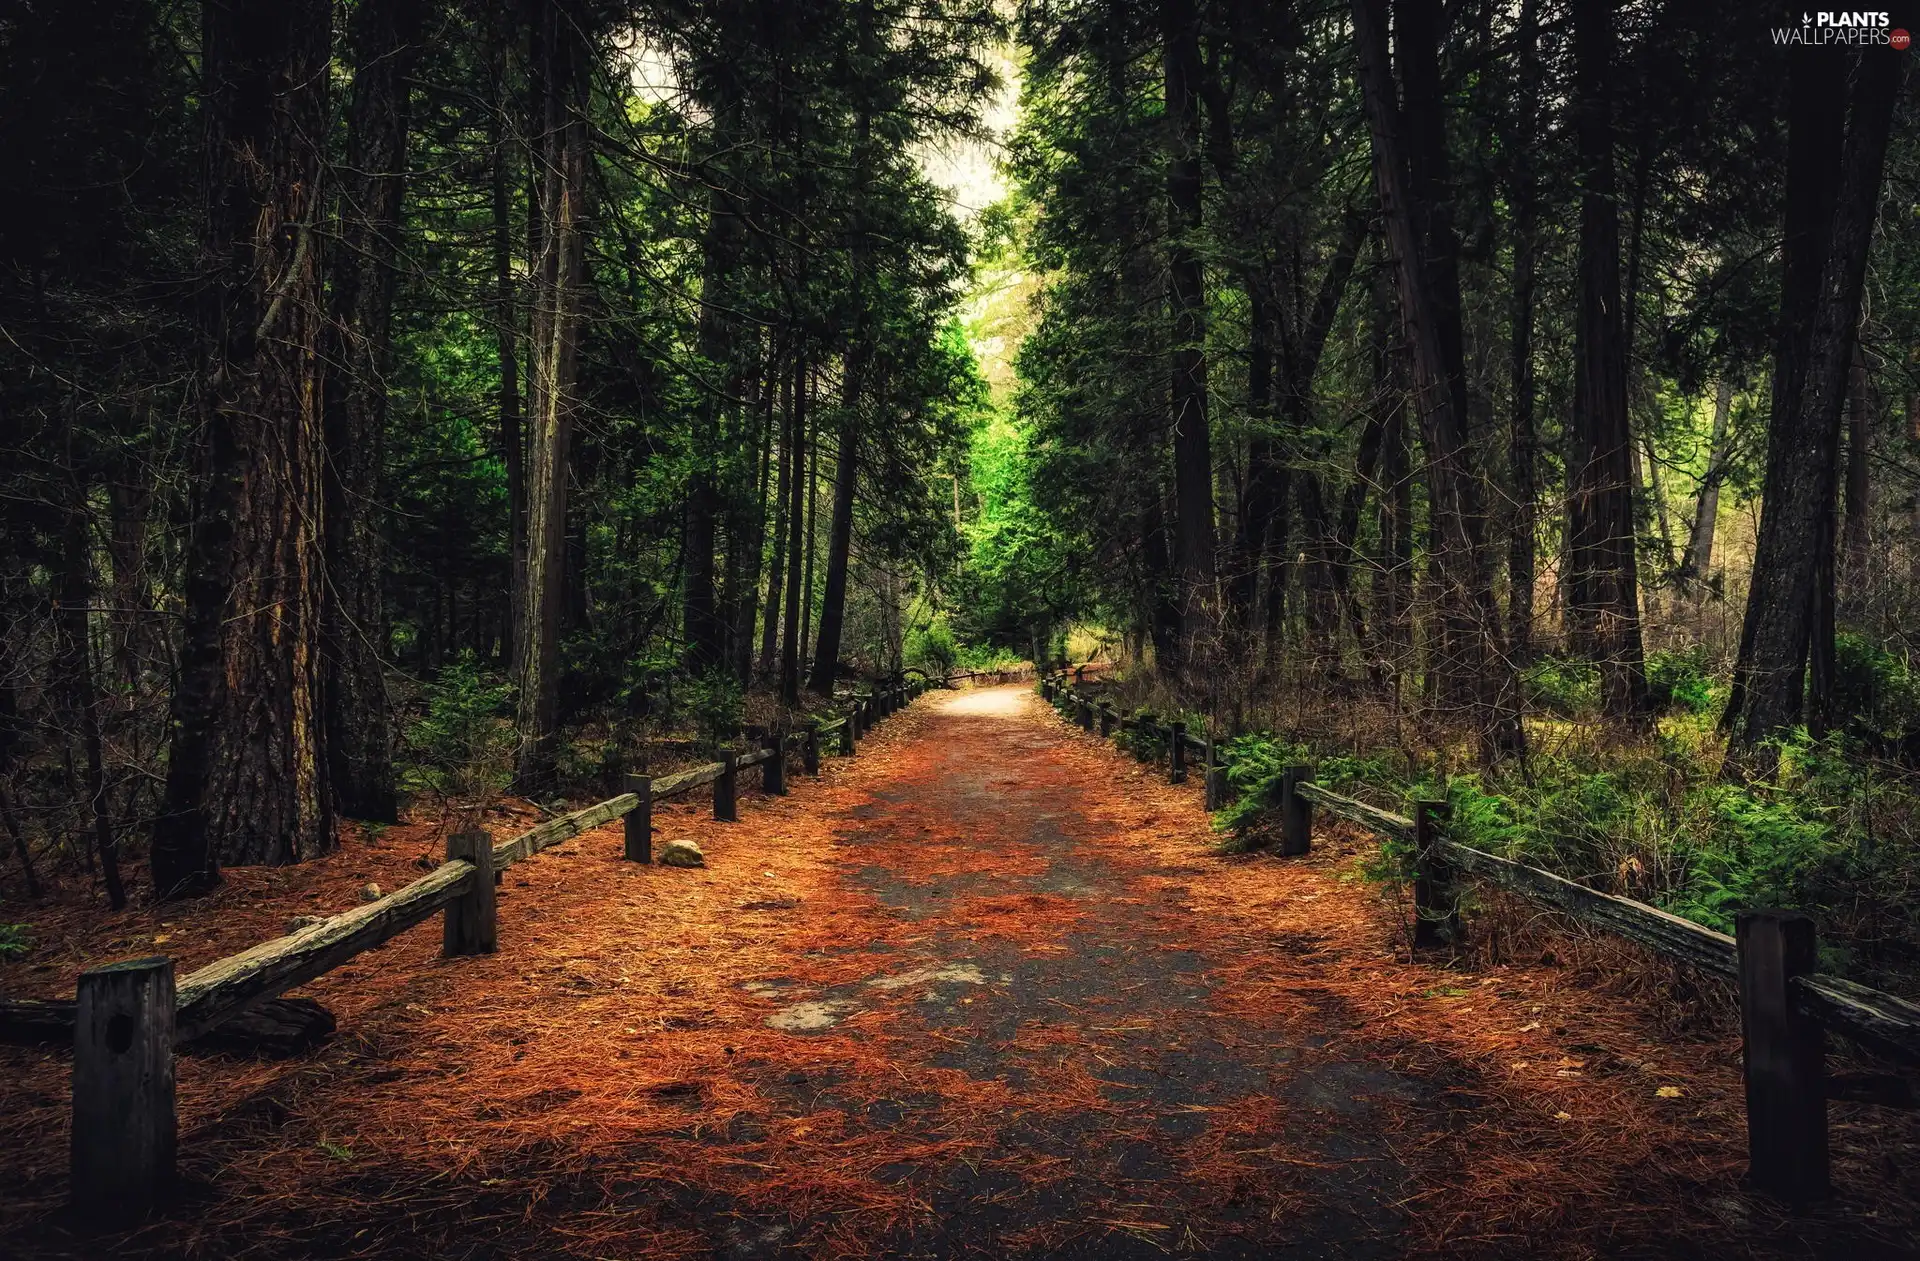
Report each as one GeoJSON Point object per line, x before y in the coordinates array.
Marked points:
{"type": "Point", "coordinates": [1784, 1056]}
{"type": "Point", "coordinates": [723, 789]}
{"type": "Point", "coordinates": [1436, 902]}
{"type": "Point", "coordinates": [124, 1131]}
{"type": "Point", "coordinates": [1216, 781]}
{"type": "Point", "coordinates": [639, 821]}
{"type": "Point", "coordinates": [470, 926]}
{"type": "Point", "coordinates": [1106, 719]}
{"type": "Point", "coordinates": [1177, 758]}
{"type": "Point", "coordinates": [810, 748]}
{"type": "Point", "coordinates": [1296, 812]}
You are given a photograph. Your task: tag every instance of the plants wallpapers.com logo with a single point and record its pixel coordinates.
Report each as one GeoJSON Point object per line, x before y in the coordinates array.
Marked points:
{"type": "Point", "coordinates": [1846, 29]}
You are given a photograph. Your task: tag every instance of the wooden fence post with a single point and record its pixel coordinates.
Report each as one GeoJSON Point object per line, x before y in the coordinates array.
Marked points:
{"type": "Point", "coordinates": [1106, 719]}
{"type": "Point", "coordinates": [846, 737]}
{"type": "Point", "coordinates": [773, 771]}
{"type": "Point", "coordinates": [723, 789]}
{"type": "Point", "coordinates": [639, 821]}
{"type": "Point", "coordinates": [1177, 757]}
{"type": "Point", "coordinates": [810, 751]}
{"type": "Point", "coordinates": [1436, 905]}
{"type": "Point", "coordinates": [1296, 812]}
{"type": "Point", "coordinates": [1216, 781]}
{"type": "Point", "coordinates": [469, 926]}
{"type": "Point", "coordinates": [123, 1120]}
{"type": "Point", "coordinates": [1785, 1058]}
{"type": "Point", "coordinates": [1082, 714]}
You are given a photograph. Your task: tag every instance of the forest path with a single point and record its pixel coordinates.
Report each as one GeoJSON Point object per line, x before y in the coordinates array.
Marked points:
{"type": "Point", "coordinates": [984, 990]}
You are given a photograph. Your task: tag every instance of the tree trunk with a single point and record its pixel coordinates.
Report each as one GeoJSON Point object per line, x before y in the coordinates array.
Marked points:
{"type": "Point", "coordinates": [799, 521]}
{"type": "Point", "coordinates": [1603, 541]}
{"type": "Point", "coordinates": [1706, 506]}
{"type": "Point", "coordinates": [1263, 491]}
{"type": "Point", "coordinates": [701, 614]}
{"type": "Point", "coordinates": [784, 483]}
{"type": "Point", "coordinates": [1790, 601]}
{"type": "Point", "coordinates": [1522, 440]}
{"type": "Point", "coordinates": [512, 438]}
{"type": "Point", "coordinates": [559, 295]}
{"type": "Point", "coordinates": [1412, 202]}
{"type": "Point", "coordinates": [811, 527]}
{"type": "Point", "coordinates": [246, 770]}
{"type": "Point", "coordinates": [1192, 448]}
{"type": "Point", "coordinates": [1858, 537]}
{"type": "Point", "coordinates": [833, 602]}
{"type": "Point", "coordinates": [385, 40]}
{"type": "Point", "coordinates": [73, 662]}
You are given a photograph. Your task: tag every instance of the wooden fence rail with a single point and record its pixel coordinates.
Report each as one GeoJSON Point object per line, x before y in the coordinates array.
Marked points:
{"type": "Point", "coordinates": [128, 1018]}
{"type": "Point", "coordinates": [1787, 1007]}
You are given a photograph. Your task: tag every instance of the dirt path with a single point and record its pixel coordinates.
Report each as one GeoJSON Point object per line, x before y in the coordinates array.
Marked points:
{"type": "Point", "coordinates": [983, 991]}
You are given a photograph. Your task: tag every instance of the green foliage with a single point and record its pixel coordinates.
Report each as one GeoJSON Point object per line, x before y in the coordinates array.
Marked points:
{"type": "Point", "coordinates": [1254, 764]}
{"type": "Point", "coordinates": [1144, 739]}
{"type": "Point", "coordinates": [931, 647]}
{"type": "Point", "coordinates": [716, 705]}
{"type": "Point", "coordinates": [1559, 685]}
{"type": "Point", "coordinates": [1878, 691]}
{"type": "Point", "coordinates": [14, 941]}
{"type": "Point", "coordinates": [1681, 679]}
{"type": "Point", "coordinates": [464, 743]}
{"type": "Point", "coordinates": [987, 657]}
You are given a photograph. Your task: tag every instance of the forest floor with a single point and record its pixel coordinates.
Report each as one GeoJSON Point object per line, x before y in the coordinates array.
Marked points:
{"type": "Point", "coordinates": [985, 990]}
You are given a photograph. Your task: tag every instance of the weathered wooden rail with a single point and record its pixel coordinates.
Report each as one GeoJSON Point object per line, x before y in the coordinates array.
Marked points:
{"type": "Point", "coordinates": [128, 1018]}
{"type": "Point", "coordinates": [1786, 1006]}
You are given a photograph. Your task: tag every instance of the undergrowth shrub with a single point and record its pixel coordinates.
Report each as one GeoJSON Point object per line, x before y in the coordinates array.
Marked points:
{"type": "Point", "coordinates": [1879, 692]}
{"type": "Point", "coordinates": [463, 745]}
{"type": "Point", "coordinates": [1561, 685]}
{"type": "Point", "coordinates": [14, 941]}
{"type": "Point", "coordinates": [1681, 679]}
{"type": "Point", "coordinates": [932, 648]}
{"type": "Point", "coordinates": [715, 705]}
{"type": "Point", "coordinates": [1254, 765]}
{"type": "Point", "coordinates": [1144, 740]}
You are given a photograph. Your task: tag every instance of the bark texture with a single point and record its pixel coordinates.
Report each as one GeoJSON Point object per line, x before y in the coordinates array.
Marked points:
{"type": "Point", "coordinates": [246, 773]}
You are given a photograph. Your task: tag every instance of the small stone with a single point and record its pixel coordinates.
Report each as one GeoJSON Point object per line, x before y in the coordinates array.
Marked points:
{"type": "Point", "coordinates": [300, 923]}
{"type": "Point", "coordinates": [369, 892]}
{"type": "Point", "coordinates": [682, 854]}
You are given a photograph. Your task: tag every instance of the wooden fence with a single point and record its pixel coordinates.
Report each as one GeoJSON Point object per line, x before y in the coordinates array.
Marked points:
{"type": "Point", "coordinates": [128, 1017]}
{"type": "Point", "coordinates": [1787, 1007]}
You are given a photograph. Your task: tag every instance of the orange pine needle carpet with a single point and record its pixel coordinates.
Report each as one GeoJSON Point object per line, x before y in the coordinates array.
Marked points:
{"type": "Point", "coordinates": [985, 990]}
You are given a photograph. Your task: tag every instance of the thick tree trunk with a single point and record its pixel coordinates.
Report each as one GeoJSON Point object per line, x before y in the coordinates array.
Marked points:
{"type": "Point", "coordinates": [1192, 446]}
{"type": "Point", "coordinates": [385, 41]}
{"type": "Point", "coordinates": [1471, 652]}
{"type": "Point", "coordinates": [1790, 601]}
{"type": "Point", "coordinates": [559, 295]}
{"type": "Point", "coordinates": [246, 770]}
{"type": "Point", "coordinates": [1603, 552]}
